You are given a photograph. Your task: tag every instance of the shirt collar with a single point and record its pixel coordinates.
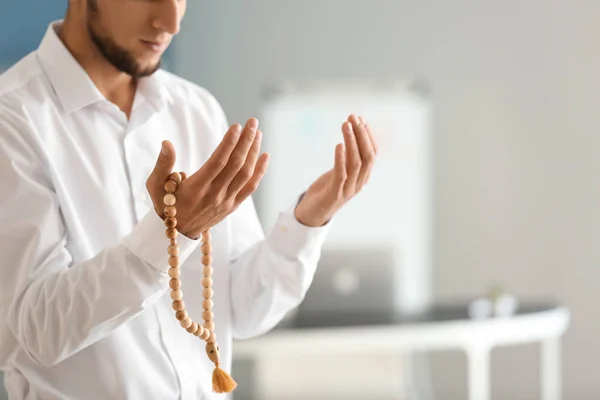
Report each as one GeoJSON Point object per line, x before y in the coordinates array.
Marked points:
{"type": "Point", "coordinates": [72, 84]}
{"type": "Point", "coordinates": [153, 89]}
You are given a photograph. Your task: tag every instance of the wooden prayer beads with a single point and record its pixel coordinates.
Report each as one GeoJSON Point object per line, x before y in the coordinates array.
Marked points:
{"type": "Point", "coordinates": [221, 381]}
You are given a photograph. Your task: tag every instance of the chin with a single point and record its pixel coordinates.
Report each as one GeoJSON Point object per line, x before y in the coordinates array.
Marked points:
{"type": "Point", "coordinates": [147, 68]}
{"type": "Point", "coordinates": [146, 64]}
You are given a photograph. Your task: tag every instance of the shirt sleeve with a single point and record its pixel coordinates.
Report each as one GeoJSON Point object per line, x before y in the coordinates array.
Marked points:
{"type": "Point", "coordinates": [270, 274]}
{"type": "Point", "coordinates": [53, 306]}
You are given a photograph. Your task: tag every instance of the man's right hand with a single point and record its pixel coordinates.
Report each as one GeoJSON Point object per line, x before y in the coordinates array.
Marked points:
{"type": "Point", "coordinates": [231, 174]}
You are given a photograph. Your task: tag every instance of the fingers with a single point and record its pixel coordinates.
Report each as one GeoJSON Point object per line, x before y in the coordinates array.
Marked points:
{"type": "Point", "coordinates": [373, 144]}
{"type": "Point", "coordinates": [237, 159]}
{"type": "Point", "coordinates": [246, 172]}
{"type": "Point", "coordinates": [339, 167]}
{"type": "Point", "coordinates": [371, 137]}
{"type": "Point", "coordinates": [159, 175]}
{"type": "Point", "coordinates": [162, 169]}
{"type": "Point", "coordinates": [365, 149]}
{"type": "Point", "coordinates": [220, 157]}
{"type": "Point", "coordinates": [353, 162]}
{"type": "Point", "coordinates": [165, 163]}
{"type": "Point", "coordinates": [252, 184]}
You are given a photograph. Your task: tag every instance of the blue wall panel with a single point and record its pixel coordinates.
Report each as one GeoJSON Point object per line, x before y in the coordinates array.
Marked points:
{"type": "Point", "coordinates": [23, 24]}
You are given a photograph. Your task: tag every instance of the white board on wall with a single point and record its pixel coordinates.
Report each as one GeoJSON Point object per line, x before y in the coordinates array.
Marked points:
{"type": "Point", "coordinates": [301, 127]}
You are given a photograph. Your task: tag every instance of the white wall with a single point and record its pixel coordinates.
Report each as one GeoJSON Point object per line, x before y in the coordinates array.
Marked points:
{"type": "Point", "coordinates": [515, 87]}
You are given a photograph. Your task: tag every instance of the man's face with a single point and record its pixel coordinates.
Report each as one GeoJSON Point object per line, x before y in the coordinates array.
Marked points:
{"type": "Point", "coordinates": [133, 34]}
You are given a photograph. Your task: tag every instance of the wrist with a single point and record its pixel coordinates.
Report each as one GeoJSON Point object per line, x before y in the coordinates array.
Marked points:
{"type": "Point", "coordinates": [192, 234]}
{"type": "Point", "coordinates": [309, 218]}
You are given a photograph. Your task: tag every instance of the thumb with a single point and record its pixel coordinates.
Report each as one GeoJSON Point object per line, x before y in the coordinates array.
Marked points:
{"type": "Point", "coordinates": [165, 162]}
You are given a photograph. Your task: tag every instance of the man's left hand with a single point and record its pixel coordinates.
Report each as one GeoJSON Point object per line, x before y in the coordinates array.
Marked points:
{"type": "Point", "coordinates": [354, 160]}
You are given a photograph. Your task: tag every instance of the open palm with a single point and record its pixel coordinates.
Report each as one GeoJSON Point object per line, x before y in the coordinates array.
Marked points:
{"type": "Point", "coordinates": [354, 160]}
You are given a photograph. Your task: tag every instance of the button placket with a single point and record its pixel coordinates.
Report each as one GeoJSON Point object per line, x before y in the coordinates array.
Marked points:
{"type": "Point", "coordinates": [141, 198]}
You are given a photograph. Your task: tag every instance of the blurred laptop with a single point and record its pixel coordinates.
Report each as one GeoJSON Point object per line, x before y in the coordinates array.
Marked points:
{"type": "Point", "coordinates": [352, 286]}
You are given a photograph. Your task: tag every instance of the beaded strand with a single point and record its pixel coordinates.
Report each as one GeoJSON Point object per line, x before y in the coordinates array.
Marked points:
{"type": "Point", "coordinates": [222, 382]}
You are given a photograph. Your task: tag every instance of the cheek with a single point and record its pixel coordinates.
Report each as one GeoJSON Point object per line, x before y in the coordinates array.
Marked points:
{"type": "Point", "coordinates": [123, 24]}
{"type": "Point", "coordinates": [127, 33]}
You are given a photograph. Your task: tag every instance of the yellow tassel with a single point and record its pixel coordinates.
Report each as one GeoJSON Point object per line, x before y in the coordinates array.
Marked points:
{"type": "Point", "coordinates": [222, 382]}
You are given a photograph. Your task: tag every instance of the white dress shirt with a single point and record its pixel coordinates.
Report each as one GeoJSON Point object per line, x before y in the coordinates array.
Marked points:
{"type": "Point", "coordinates": [85, 309]}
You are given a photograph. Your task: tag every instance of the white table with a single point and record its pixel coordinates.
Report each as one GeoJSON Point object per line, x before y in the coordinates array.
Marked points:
{"type": "Point", "coordinates": [476, 338]}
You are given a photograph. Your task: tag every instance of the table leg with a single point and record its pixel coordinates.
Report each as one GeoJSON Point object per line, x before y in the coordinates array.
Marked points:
{"type": "Point", "coordinates": [479, 373]}
{"type": "Point", "coordinates": [404, 388]}
{"type": "Point", "coordinates": [550, 355]}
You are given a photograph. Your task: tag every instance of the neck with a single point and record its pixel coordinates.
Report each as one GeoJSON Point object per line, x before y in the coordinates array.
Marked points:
{"type": "Point", "coordinates": [118, 87]}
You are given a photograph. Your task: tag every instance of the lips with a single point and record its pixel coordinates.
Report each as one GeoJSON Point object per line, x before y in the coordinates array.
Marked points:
{"type": "Point", "coordinates": [156, 47]}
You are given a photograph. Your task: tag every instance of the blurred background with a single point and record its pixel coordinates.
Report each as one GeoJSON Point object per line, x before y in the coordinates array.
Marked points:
{"type": "Point", "coordinates": [489, 173]}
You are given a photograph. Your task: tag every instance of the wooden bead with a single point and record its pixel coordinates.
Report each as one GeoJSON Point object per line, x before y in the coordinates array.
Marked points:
{"type": "Point", "coordinates": [208, 315]}
{"type": "Point", "coordinates": [175, 283]}
{"type": "Point", "coordinates": [170, 186]}
{"type": "Point", "coordinates": [207, 271]}
{"type": "Point", "coordinates": [178, 305]}
{"type": "Point", "coordinates": [175, 176]}
{"type": "Point", "coordinates": [207, 282]}
{"type": "Point", "coordinates": [212, 338]}
{"type": "Point", "coordinates": [183, 175]}
{"type": "Point", "coordinates": [207, 293]}
{"type": "Point", "coordinates": [174, 261]}
{"type": "Point", "coordinates": [212, 351]}
{"type": "Point", "coordinates": [173, 250]}
{"type": "Point", "coordinates": [175, 272]}
{"type": "Point", "coordinates": [169, 199]}
{"type": "Point", "coordinates": [181, 315]}
{"type": "Point", "coordinates": [171, 233]}
{"type": "Point", "coordinates": [200, 331]}
{"type": "Point", "coordinates": [206, 248]}
{"type": "Point", "coordinates": [205, 334]}
{"type": "Point", "coordinates": [170, 222]}
{"type": "Point", "coordinates": [177, 294]}
{"type": "Point", "coordinates": [193, 328]}
{"type": "Point", "coordinates": [206, 236]}
{"type": "Point", "coordinates": [170, 211]}
{"type": "Point", "coordinates": [208, 304]}
{"type": "Point", "coordinates": [207, 260]}
{"type": "Point", "coordinates": [210, 325]}
{"type": "Point", "coordinates": [186, 323]}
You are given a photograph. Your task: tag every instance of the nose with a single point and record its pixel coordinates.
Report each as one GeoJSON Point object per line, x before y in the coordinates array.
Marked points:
{"type": "Point", "coordinates": [168, 16]}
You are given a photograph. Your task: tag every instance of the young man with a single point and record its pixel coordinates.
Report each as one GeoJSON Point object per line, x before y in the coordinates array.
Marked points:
{"type": "Point", "coordinates": [85, 310]}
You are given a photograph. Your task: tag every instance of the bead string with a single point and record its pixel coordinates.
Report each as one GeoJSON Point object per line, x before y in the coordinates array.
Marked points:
{"type": "Point", "coordinates": [222, 383]}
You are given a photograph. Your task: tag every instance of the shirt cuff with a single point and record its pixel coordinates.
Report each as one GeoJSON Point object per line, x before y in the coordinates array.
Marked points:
{"type": "Point", "coordinates": [149, 242]}
{"type": "Point", "coordinates": [292, 239]}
